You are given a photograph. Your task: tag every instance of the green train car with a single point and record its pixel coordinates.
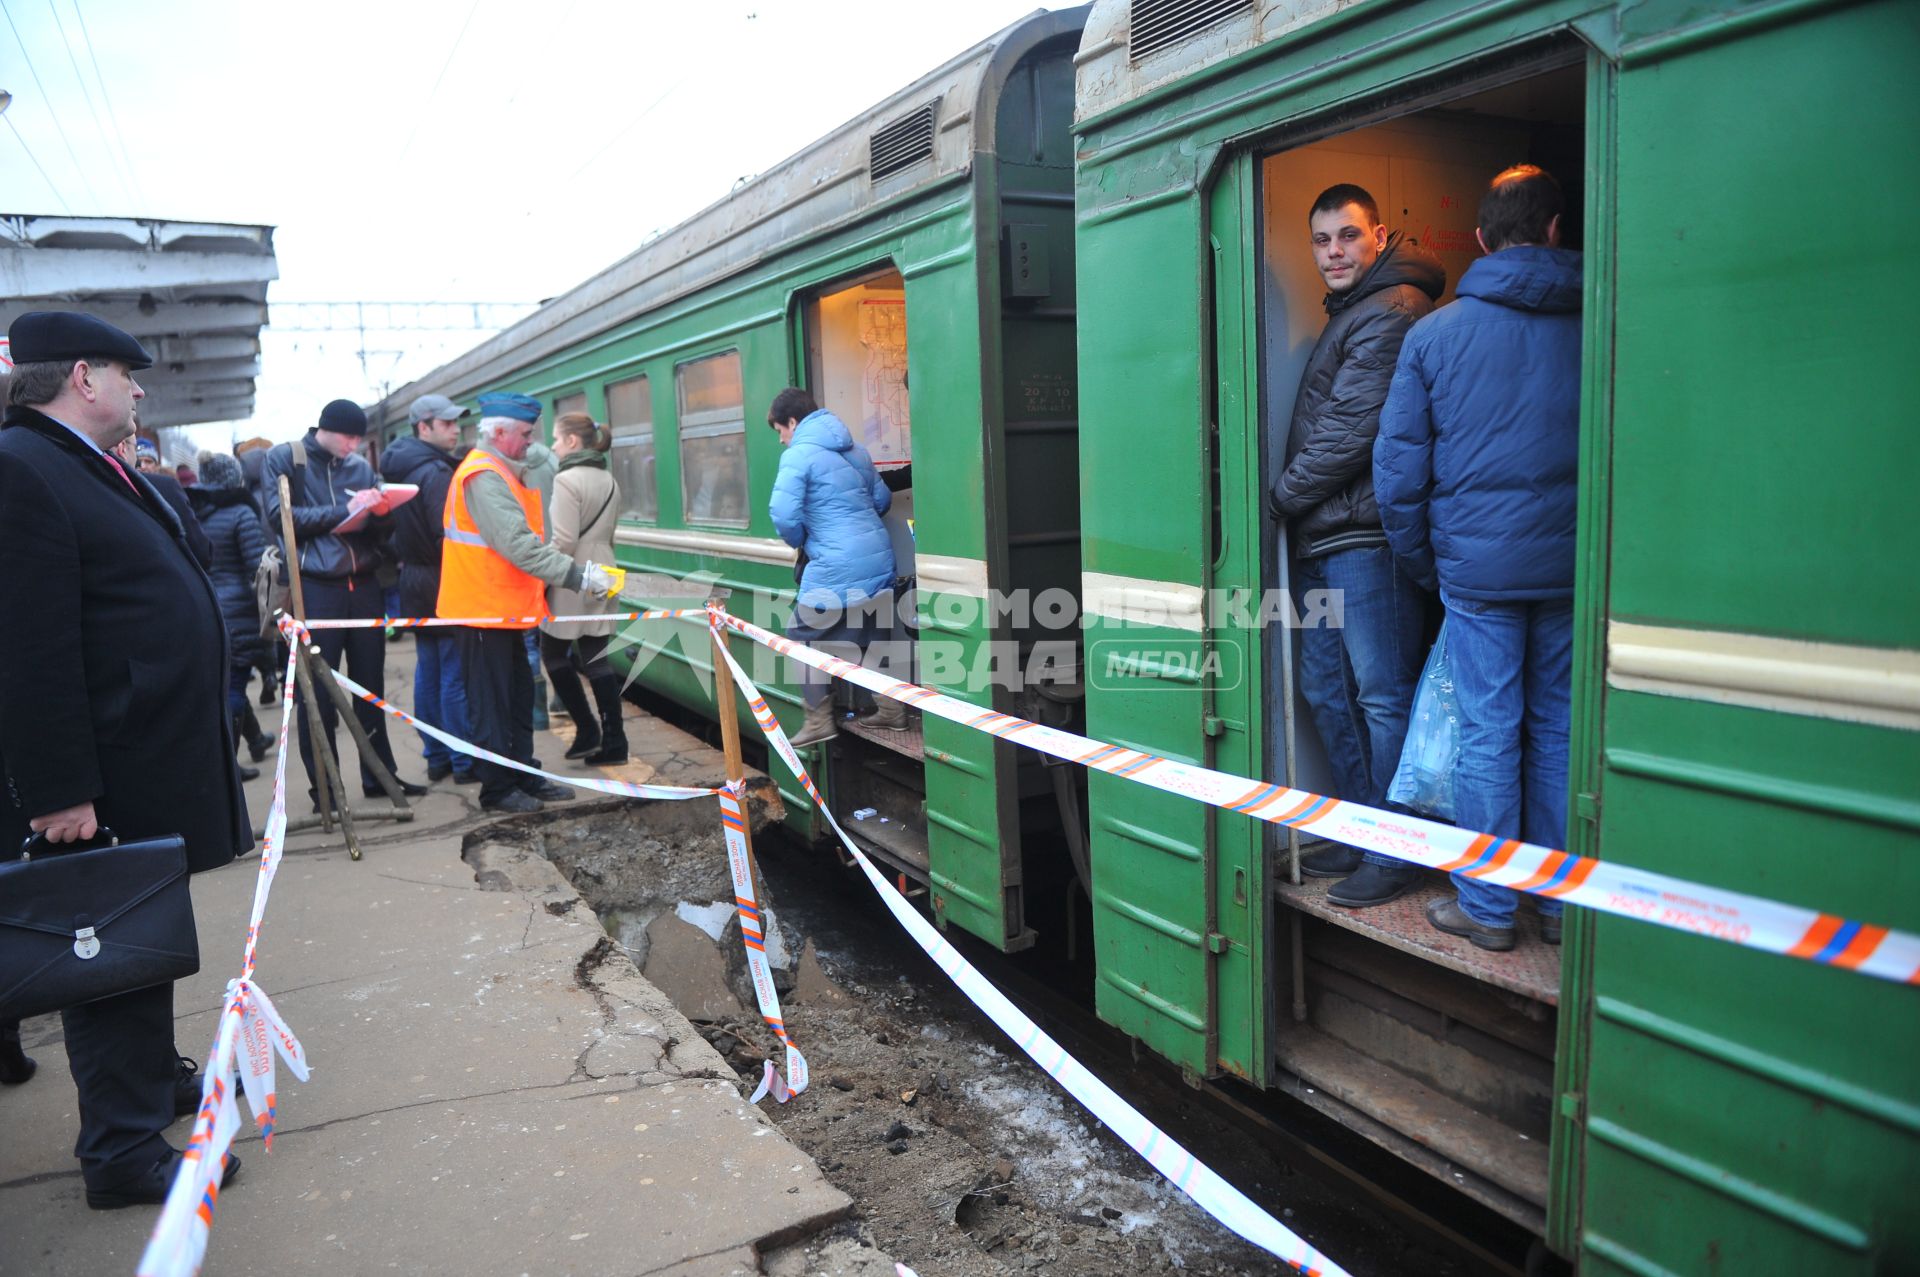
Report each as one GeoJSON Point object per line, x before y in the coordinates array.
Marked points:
{"type": "Point", "coordinates": [1747, 616]}
{"type": "Point", "coordinates": [914, 268]}
{"type": "Point", "coordinates": [1065, 278]}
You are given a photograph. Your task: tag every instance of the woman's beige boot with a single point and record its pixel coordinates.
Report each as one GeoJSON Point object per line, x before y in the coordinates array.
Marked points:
{"type": "Point", "coordinates": [819, 725]}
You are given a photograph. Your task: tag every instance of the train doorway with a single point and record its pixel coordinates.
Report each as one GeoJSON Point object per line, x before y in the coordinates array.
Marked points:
{"type": "Point", "coordinates": [855, 331]}
{"type": "Point", "coordinates": [856, 351]}
{"type": "Point", "coordinates": [1440, 1052]}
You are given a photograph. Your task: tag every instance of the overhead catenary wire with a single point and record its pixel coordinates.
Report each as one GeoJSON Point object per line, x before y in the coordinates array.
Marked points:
{"type": "Point", "coordinates": [434, 92]}
{"type": "Point", "coordinates": [64, 206]}
{"type": "Point", "coordinates": [106, 96]}
{"type": "Point", "coordinates": [630, 125]}
{"type": "Point", "coordinates": [59, 25]}
{"type": "Point", "coordinates": [47, 101]}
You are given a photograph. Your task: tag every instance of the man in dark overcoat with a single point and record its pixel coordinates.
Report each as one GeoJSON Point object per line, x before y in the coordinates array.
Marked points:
{"type": "Point", "coordinates": [113, 671]}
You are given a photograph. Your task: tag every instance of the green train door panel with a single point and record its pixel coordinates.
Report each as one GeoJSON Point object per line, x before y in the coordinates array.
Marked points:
{"type": "Point", "coordinates": [1176, 969]}
{"type": "Point", "coordinates": [1234, 722]}
{"type": "Point", "coordinates": [974, 881]}
{"type": "Point", "coordinates": [1743, 1112]}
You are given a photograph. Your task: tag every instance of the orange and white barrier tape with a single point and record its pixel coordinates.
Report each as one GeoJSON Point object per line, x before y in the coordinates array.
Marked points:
{"type": "Point", "coordinates": [529, 622]}
{"type": "Point", "coordinates": [733, 824]}
{"type": "Point", "coordinates": [251, 1034]}
{"type": "Point", "coordinates": [1180, 1167]}
{"type": "Point", "coordinates": [1604, 886]}
{"type": "Point", "coordinates": [619, 788]}
{"type": "Point", "coordinates": [753, 926]}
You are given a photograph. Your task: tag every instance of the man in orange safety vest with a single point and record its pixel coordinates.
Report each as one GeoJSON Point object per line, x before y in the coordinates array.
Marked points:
{"type": "Point", "coordinates": [495, 568]}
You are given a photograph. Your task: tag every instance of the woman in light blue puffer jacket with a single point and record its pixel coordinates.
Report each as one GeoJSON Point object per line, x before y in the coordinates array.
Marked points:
{"type": "Point", "coordinates": [827, 502]}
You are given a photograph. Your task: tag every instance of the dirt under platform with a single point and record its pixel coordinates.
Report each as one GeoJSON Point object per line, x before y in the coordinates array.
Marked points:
{"type": "Point", "coordinates": [962, 1157]}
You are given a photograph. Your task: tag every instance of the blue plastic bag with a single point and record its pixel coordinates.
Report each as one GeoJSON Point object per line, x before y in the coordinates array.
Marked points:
{"type": "Point", "coordinates": [1423, 781]}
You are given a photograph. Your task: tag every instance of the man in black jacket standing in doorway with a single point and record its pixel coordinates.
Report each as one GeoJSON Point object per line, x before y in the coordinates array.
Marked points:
{"type": "Point", "coordinates": [113, 674]}
{"type": "Point", "coordinates": [1358, 674]}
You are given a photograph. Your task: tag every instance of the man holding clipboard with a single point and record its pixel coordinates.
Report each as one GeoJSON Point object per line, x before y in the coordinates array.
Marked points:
{"type": "Point", "coordinates": [339, 519]}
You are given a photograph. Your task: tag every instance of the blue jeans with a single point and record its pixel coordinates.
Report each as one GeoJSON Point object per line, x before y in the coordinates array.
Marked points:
{"type": "Point", "coordinates": [1359, 677]}
{"type": "Point", "coordinates": [539, 681]}
{"type": "Point", "coordinates": [440, 695]}
{"type": "Point", "coordinates": [845, 632]}
{"type": "Point", "coordinates": [1513, 675]}
{"type": "Point", "coordinates": [238, 676]}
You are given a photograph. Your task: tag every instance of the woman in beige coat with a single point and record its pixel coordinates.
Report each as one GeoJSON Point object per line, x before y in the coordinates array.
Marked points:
{"type": "Point", "coordinates": [585, 510]}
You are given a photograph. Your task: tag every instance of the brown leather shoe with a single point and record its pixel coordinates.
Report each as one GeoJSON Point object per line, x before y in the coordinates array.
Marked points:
{"type": "Point", "coordinates": [1449, 917]}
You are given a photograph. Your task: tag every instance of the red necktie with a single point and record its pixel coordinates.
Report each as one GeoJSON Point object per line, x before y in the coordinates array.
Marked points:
{"type": "Point", "coordinates": [121, 471]}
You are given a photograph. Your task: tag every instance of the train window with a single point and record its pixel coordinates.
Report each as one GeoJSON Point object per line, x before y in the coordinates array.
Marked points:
{"type": "Point", "coordinates": [576, 402]}
{"type": "Point", "coordinates": [630, 416]}
{"type": "Point", "coordinates": [857, 362]}
{"type": "Point", "coordinates": [713, 440]}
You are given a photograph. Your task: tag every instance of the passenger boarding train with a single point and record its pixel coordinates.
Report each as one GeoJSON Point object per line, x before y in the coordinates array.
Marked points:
{"type": "Point", "coordinates": [1063, 279]}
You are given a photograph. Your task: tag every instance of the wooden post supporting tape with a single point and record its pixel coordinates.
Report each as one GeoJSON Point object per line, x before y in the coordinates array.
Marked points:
{"type": "Point", "coordinates": [729, 717]}
{"type": "Point", "coordinates": [329, 793]}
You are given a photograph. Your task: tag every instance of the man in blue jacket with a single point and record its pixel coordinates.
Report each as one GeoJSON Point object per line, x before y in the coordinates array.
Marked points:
{"type": "Point", "coordinates": [1475, 470]}
{"type": "Point", "coordinates": [425, 459]}
{"type": "Point", "coordinates": [827, 502]}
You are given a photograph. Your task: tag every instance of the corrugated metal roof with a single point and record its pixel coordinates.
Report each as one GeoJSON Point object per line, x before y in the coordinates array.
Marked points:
{"type": "Point", "coordinates": [194, 293]}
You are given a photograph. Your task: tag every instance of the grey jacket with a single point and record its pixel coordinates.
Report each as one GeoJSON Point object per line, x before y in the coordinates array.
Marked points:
{"type": "Point", "coordinates": [503, 525]}
{"type": "Point", "coordinates": [1326, 488]}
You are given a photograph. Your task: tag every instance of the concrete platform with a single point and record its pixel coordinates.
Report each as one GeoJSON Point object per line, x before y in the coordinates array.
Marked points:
{"type": "Point", "coordinates": [495, 1089]}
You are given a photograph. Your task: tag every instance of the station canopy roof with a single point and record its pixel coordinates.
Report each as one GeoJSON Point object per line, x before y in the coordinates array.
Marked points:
{"type": "Point", "coordinates": [194, 293]}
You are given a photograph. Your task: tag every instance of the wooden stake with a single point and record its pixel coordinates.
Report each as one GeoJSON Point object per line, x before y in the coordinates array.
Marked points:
{"type": "Point", "coordinates": [348, 713]}
{"type": "Point", "coordinates": [326, 771]}
{"type": "Point", "coordinates": [730, 745]}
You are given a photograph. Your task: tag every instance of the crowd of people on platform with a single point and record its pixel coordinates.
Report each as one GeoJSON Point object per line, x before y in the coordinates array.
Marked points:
{"type": "Point", "coordinates": [132, 623]}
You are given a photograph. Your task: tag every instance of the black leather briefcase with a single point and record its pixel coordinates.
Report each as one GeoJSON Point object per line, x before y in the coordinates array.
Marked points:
{"type": "Point", "coordinates": [79, 922]}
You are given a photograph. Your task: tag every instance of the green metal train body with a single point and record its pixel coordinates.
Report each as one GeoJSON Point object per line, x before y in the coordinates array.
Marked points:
{"type": "Point", "coordinates": [1066, 274]}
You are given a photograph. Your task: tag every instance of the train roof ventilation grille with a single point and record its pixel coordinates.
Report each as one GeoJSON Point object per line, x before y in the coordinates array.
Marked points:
{"type": "Point", "coordinates": [1161, 24]}
{"type": "Point", "coordinates": [901, 143]}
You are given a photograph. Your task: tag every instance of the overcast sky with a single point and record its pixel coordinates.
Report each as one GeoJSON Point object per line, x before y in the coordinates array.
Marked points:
{"type": "Point", "coordinates": [424, 150]}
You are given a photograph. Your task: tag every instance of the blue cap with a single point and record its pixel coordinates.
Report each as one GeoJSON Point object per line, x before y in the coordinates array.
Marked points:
{"type": "Point", "coordinates": [503, 404]}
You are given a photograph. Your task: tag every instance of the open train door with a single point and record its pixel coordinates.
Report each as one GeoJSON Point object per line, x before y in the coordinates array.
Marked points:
{"type": "Point", "coordinates": [1177, 917]}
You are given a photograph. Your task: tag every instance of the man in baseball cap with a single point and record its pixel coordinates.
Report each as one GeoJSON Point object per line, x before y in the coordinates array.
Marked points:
{"type": "Point", "coordinates": [425, 459]}
{"type": "Point", "coordinates": [435, 408]}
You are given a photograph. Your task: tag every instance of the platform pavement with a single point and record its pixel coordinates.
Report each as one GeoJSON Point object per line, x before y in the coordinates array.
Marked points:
{"type": "Point", "coordinates": [494, 1090]}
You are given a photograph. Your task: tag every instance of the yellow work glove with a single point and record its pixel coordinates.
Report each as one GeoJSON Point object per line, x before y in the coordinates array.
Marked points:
{"type": "Point", "coordinates": [602, 579]}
